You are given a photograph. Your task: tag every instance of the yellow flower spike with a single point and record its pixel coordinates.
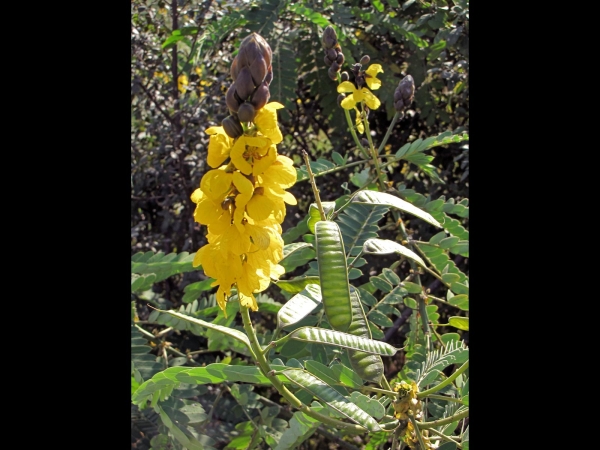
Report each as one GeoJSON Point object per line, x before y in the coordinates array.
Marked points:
{"type": "Point", "coordinates": [266, 121]}
{"type": "Point", "coordinates": [371, 76]}
{"type": "Point", "coordinates": [219, 146]}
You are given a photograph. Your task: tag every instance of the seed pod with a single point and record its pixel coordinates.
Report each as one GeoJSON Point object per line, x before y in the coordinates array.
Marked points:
{"type": "Point", "coordinates": [365, 60]}
{"type": "Point", "coordinates": [329, 37]}
{"type": "Point", "coordinates": [232, 127]}
{"type": "Point", "coordinates": [246, 112]}
{"type": "Point", "coordinates": [260, 96]}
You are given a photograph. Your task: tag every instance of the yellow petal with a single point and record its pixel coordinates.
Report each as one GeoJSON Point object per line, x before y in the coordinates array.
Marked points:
{"type": "Point", "coordinates": [371, 101]}
{"type": "Point", "coordinates": [348, 102]}
{"type": "Point", "coordinates": [259, 207]}
{"type": "Point", "coordinates": [346, 86]}
{"type": "Point", "coordinates": [262, 164]}
{"type": "Point", "coordinates": [197, 195]}
{"type": "Point", "coordinates": [216, 184]}
{"type": "Point", "coordinates": [373, 83]}
{"type": "Point", "coordinates": [207, 211]}
{"type": "Point", "coordinates": [237, 156]}
{"type": "Point", "coordinates": [374, 69]}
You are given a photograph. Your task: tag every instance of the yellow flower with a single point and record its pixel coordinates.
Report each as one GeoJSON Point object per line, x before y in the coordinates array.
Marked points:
{"type": "Point", "coordinates": [360, 126]}
{"type": "Point", "coordinates": [252, 155]}
{"type": "Point", "coordinates": [182, 82]}
{"type": "Point", "coordinates": [371, 76]}
{"type": "Point", "coordinates": [357, 96]}
{"type": "Point", "coordinates": [219, 146]}
{"type": "Point", "coordinates": [266, 122]}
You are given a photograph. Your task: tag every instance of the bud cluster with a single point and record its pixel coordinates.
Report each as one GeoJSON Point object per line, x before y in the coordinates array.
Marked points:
{"type": "Point", "coordinates": [334, 58]}
{"type": "Point", "coordinates": [252, 74]}
{"type": "Point", "coordinates": [404, 93]}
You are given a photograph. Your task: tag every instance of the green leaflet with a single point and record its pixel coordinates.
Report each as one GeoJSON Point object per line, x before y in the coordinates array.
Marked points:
{"type": "Point", "coordinates": [334, 399]}
{"type": "Point", "coordinates": [340, 339]}
{"type": "Point", "coordinates": [299, 306]}
{"type": "Point", "coordinates": [236, 334]}
{"type": "Point", "coordinates": [385, 247]}
{"type": "Point", "coordinates": [381, 198]}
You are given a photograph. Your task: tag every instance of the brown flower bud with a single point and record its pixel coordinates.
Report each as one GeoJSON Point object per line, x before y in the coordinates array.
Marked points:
{"type": "Point", "coordinates": [252, 47]}
{"type": "Point", "coordinates": [364, 142]}
{"type": "Point", "coordinates": [345, 76]}
{"type": "Point", "coordinates": [244, 86]}
{"type": "Point", "coordinates": [332, 73]}
{"type": "Point", "coordinates": [327, 61]}
{"type": "Point", "coordinates": [335, 66]}
{"type": "Point", "coordinates": [365, 60]}
{"type": "Point", "coordinates": [329, 37]}
{"type": "Point", "coordinates": [340, 58]}
{"type": "Point", "coordinates": [232, 127]}
{"type": "Point", "coordinates": [246, 112]}
{"type": "Point", "coordinates": [258, 70]}
{"type": "Point", "coordinates": [268, 77]}
{"type": "Point", "coordinates": [340, 98]}
{"type": "Point", "coordinates": [404, 93]}
{"type": "Point", "coordinates": [260, 96]}
{"type": "Point", "coordinates": [232, 99]}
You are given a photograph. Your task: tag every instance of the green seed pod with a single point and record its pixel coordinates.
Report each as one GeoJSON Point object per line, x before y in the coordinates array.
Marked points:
{"type": "Point", "coordinates": [246, 112]}
{"type": "Point", "coordinates": [366, 365]}
{"type": "Point", "coordinates": [333, 274]}
{"type": "Point", "coordinates": [232, 127]}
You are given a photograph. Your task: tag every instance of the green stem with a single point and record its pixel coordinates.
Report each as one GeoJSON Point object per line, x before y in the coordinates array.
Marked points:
{"type": "Point", "coordinates": [281, 388]}
{"type": "Point", "coordinates": [444, 437]}
{"type": "Point", "coordinates": [417, 430]}
{"type": "Point", "coordinates": [388, 132]}
{"type": "Point", "coordinates": [444, 383]}
{"type": "Point", "coordinates": [445, 421]}
{"type": "Point", "coordinates": [153, 338]}
{"type": "Point", "coordinates": [314, 185]}
{"type": "Point", "coordinates": [448, 399]}
{"type": "Point", "coordinates": [353, 133]}
{"type": "Point", "coordinates": [374, 156]}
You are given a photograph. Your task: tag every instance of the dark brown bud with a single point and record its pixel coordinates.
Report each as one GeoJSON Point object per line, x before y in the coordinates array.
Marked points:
{"type": "Point", "coordinates": [340, 98]}
{"type": "Point", "coordinates": [260, 96]}
{"type": "Point", "coordinates": [258, 70]}
{"type": "Point", "coordinates": [232, 127]}
{"type": "Point", "coordinates": [335, 66]}
{"type": "Point", "coordinates": [331, 54]}
{"type": "Point", "coordinates": [364, 142]}
{"type": "Point", "coordinates": [332, 73]}
{"type": "Point", "coordinates": [268, 77]}
{"type": "Point", "coordinates": [246, 112]}
{"type": "Point", "coordinates": [327, 61]}
{"type": "Point", "coordinates": [252, 47]}
{"type": "Point", "coordinates": [232, 99]}
{"type": "Point", "coordinates": [244, 85]}
{"type": "Point", "coordinates": [404, 93]}
{"type": "Point", "coordinates": [340, 58]}
{"type": "Point", "coordinates": [365, 60]}
{"type": "Point", "coordinates": [329, 37]}
{"type": "Point", "coordinates": [345, 76]}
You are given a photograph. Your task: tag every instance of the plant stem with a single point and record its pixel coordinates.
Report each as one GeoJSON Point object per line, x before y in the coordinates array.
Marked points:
{"type": "Point", "coordinates": [389, 132]}
{"type": "Point", "coordinates": [374, 156]}
{"type": "Point", "coordinates": [281, 388]}
{"type": "Point", "coordinates": [448, 399]}
{"type": "Point", "coordinates": [417, 430]}
{"type": "Point", "coordinates": [444, 383]}
{"type": "Point", "coordinates": [354, 136]}
{"type": "Point", "coordinates": [445, 421]}
{"type": "Point", "coordinates": [314, 185]}
{"type": "Point", "coordinates": [447, 438]}
{"type": "Point", "coordinates": [153, 338]}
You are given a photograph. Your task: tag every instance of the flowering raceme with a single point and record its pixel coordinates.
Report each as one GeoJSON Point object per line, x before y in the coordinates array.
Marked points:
{"type": "Point", "coordinates": [242, 199]}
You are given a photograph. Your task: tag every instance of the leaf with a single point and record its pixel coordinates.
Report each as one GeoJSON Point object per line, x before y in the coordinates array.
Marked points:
{"type": "Point", "coordinates": [334, 399]}
{"type": "Point", "coordinates": [314, 215]}
{"type": "Point", "coordinates": [299, 306]}
{"type": "Point", "coordinates": [359, 222]}
{"type": "Point", "coordinates": [339, 339]}
{"type": "Point", "coordinates": [454, 353]}
{"type": "Point", "coordinates": [296, 285]}
{"type": "Point", "coordinates": [462, 323]}
{"type": "Point", "coordinates": [461, 301]}
{"type": "Point", "coordinates": [301, 428]}
{"type": "Point", "coordinates": [381, 198]}
{"type": "Point", "coordinates": [376, 246]}
{"type": "Point", "coordinates": [236, 334]}
{"type": "Point", "coordinates": [370, 405]}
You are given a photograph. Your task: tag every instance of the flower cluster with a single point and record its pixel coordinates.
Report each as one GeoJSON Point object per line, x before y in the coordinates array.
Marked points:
{"type": "Point", "coordinates": [242, 199]}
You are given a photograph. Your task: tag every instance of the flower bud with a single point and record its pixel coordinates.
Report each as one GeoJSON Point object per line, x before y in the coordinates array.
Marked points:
{"type": "Point", "coordinates": [246, 112]}
{"type": "Point", "coordinates": [254, 47]}
{"type": "Point", "coordinates": [340, 98]}
{"type": "Point", "coordinates": [331, 54]}
{"type": "Point", "coordinates": [404, 93]}
{"type": "Point", "coordinates": [232, 127]}
{"type": "Point", "coordinates": [365, 60]}
{"type": "Point", "coordinates": [329, 37]}
{"type": "Point", "coordinates": [364, 142]}
{"type": "Point", "coordinates": [244, 86]}
{"type": "Point", "coordinates": [332, 74]}
{"type": "Point", "coordinates": [260, 96]}
{"type": "Point", "coordinates": [268, 77]}
{"type": "Point", "coordinates": [340, 58]}
{"type": "Point", "coordinates": [345, 76]}
{"type": "Point", "coordinates": [232, 99]}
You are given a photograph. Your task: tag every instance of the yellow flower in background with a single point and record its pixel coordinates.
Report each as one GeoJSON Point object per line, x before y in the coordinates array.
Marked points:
{"type": "Point", "coordinates": [357, 96]}
{"type": "Point", "coordinates": [182, 83]}
{"type": "Point", "coordinates": [162, 76]}
{"type": "Point", "coordinates": [371, 76]}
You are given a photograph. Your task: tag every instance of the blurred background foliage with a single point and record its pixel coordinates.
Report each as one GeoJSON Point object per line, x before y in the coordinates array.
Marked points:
{"type": "Point", "coordinates": [181, 53]}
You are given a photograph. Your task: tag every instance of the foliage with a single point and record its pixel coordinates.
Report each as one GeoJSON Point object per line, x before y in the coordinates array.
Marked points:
{"type": "Point", "coordinates": [384, 222]}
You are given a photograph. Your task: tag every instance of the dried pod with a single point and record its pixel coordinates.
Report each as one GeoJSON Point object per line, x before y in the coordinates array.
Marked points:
{"type": "Point", "coordinates": [260, 96]}
{"type": "Point", "coordinates": [329, 37]}
{"type": "Point", "coordinates": [365, 60]}
{"type": "Point", "coordinates": [232, 127]}
{"type": "Point", "coordinates": [246, 112]}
